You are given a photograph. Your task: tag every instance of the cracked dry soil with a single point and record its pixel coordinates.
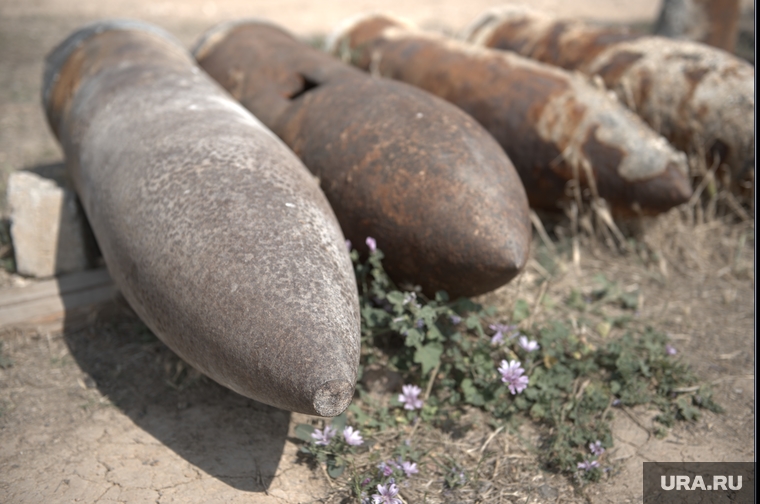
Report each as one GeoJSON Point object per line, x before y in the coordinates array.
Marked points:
{"type": "Point", "coordinates": [105, 413]}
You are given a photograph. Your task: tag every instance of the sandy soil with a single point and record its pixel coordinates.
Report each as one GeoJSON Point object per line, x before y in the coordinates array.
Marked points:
{"type": "Point", "coordinates": [106, 413]}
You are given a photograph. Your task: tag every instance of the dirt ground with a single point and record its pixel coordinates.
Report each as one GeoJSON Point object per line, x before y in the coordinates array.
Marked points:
{"type": "Point", "coordinates": [104, 412]}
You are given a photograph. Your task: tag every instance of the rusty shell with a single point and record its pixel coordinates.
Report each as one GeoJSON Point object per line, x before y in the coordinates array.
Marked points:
{"type": "Point", "coordinates": [712, 22]}
{"type": "Point", "coordinates": [553, 125]}
{"type": "Point", "coordinates": [216, 234]}
{"type": "Point", "coordinates": [438, 194]}
{"type": "Point", "coordinates": [700, 98]}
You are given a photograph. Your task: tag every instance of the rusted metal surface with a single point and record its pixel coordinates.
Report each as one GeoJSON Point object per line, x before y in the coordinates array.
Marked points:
{"type": "Point", "coordinates": [216, 234]}
{"type": "Point", "coordinates": [712, 22]}
{"type": "Point", "coordinates": [700, 98]}
{"type": "Point", "coordinates": [424, 179]}
{"type": "Point", "coordinates": [553, 125]}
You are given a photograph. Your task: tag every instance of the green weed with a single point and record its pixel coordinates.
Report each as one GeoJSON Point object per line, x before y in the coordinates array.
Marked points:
{"type": "Point", "coordinates": [460, 357]}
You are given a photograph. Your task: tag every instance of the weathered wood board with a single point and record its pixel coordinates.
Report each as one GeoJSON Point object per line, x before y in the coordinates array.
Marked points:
{"type": "Point", "coordinates": [53, 304]}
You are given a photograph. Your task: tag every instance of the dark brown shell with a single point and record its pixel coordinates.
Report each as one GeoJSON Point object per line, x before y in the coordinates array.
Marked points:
{"type": "Point", "coordinates": [425, 180]}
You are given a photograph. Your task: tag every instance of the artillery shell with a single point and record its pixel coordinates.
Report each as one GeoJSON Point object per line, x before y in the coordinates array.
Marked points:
{"type": "Point", "coordinates": [698, 97]}
{"type": "Point", "coordinates": [216, 234]}
{"type": "Point", "coordinates": [438, 194]}
{"type": "Point", "coordinates": [553, 125]}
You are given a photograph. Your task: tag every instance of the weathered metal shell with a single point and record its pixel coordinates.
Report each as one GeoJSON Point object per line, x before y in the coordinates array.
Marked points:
{"type": "Point", "coordinates": [216, 234]}
{"type": "Point", "coordinates": [554, 125]}
{"type": "Point", "coordinates": [700, 98]}
{"type": "Point", "coordinates": [438, 194]}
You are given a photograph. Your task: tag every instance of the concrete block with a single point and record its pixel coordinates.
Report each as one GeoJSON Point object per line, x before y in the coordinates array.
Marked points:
{"type": "Point", "coordinates": [49, 231]}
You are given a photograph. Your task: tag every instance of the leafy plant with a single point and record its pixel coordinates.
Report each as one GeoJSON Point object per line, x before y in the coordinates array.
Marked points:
{"type": "Point", "coordinates": [461, 357]}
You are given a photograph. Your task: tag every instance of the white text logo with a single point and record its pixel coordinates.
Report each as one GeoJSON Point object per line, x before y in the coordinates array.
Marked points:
{"type": "Point", "coordinates": [685, 483]}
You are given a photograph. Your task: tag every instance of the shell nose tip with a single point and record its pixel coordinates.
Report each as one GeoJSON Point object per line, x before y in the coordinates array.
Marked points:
{"type": "Point", "coordinates": [333, 397]}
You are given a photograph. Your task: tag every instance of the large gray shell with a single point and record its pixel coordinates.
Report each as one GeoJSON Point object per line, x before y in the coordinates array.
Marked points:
{"type": "Point", "coordinates": [217, 235]}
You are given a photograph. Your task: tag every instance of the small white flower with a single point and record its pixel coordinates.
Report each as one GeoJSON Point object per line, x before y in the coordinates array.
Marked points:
{"type": "Point", "coordinates": [352, 437]}
{"type": "Point", "coordinates": [528, 345]}
{"type": "Point", "coordinates": [410, 397]}
{"type": "Point", "coordinates": [323, 438]}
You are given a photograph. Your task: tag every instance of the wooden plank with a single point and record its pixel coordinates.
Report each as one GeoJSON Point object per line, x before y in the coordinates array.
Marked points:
{"type": "Point", "coordinates": [59, 286]}
{"type": "Point", "coordinates": [55, 303]}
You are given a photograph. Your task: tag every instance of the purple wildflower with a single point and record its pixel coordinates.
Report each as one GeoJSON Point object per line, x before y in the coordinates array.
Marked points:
{"type": "Point", "coordinates": [372, 244]}
{"type": "Point", "coordinates": [409, 468]}
{"type": "Point", "coordinates": [419, 324]}
{"type": "Point", "coordinates": [455, 319]}
{"type": "Point", "coordinates": [410, 397]}
{"type": "Point", "coordinates": [366, 481]}
{"type": "Point", "coordinates": [587, 465]}
{"type": "Point", "coordinates": [386, 469]}
{"type": "Point", "coordinates": [670, 349]}
{"type": "Point", "coordinates": [323, 438]}
{"type": "Point", "coordinates": [616, 402]}
{"type": "Point", "coordinates": [501, 330]}
{"type": "Point", "coordinates": [512, 374]}
{"type": "Point", "coordinates": [596, 448]}
{"type": "Point", "coordinates": [386, 494]}
{"type": "Point", "coordinates": [352, 437]}
{"type": "Point", "coordinates": [528, 345]}
{"type": "Point", "coordinates": [348, 245]}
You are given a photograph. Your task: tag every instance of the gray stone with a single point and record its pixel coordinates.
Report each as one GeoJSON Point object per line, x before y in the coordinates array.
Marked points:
{"type": "Point", "coordinates": [48, 228]}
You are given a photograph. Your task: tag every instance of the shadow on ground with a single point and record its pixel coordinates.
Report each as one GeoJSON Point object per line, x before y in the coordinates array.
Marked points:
{"type": "Point", "coordinates": [232, 438]}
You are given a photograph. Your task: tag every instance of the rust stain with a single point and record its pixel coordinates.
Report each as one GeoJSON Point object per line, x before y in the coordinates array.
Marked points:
{"type": "Point", "coordinates": [581, 49]}
{"type": "Point", "coordinates": [549, 47]}
{"type": "Point", "coordinates": [507, 36]}
{"type": "Point", "coordinates": [653, 195]}
{"type": "Point", "coordinates": [693, 77]}
{"type": "Point", "coordinates": [643, 92]}
{"type": "Point", "coordinates": [68, 82]}
{"type": "Point", "coordinates": [617, 66]}
{"type": "Point", "coordinates": [361, 40]}
{"type": "Point", "coordinates": [604, 159]}
{"type": "Point", "coordinates": [556, 45]}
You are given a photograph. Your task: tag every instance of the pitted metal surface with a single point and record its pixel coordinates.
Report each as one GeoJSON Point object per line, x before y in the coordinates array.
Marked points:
{"type": "Point", "coordinates": [424, 179]}
{"type": "Point", "coordinates": [216, 234]}
{"type": "Point", "coordinates": [554, 125]}
{"type": "Point", "coordinates": [700, 98]}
